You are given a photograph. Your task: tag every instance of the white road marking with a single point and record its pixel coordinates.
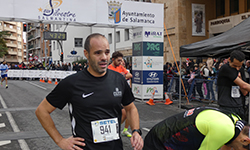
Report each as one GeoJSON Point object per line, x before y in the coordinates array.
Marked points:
{"type": "Point", "coordinates": [22, 143]}
{"type": "Point", "coordinates": [5, 142]}
{"type": "Point", "coordinates": [37, 85]}
{"type": "Point", "coordinates": [2, 125]}
{"type": "Point", "coordinates": [146, 129]}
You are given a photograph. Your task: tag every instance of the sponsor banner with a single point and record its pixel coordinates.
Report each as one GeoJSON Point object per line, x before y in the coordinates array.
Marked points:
{"type": "Point", "coordinates": [137, 63]}
{"type": "Point", "coordinates": [102, 12]}
{"type": "Point", "coordinates": [152, 77]}
{"type": "Point", "coordinates": [152, 48]}
{"type": "Point", "coordinates": [137, 76]}
{"type": "Point", "coordinates": [147, 49]}
{"type": "Point", "coordinates": [39, 74]}
{"type": "Point", "coordinates": [59, 11]}
{"type": "Point", "coordinates": [148, 34]}
{"type": "Point", "coordinates": [137, 48]}
{"type": "Point", "coordinates": [152, 63]}
{"type": "Point", "coordinates": [137, 90]}
{"type": "Point", "coordinates": [129, 13]}
{"type": "Point", "coordinates": [148, 90]}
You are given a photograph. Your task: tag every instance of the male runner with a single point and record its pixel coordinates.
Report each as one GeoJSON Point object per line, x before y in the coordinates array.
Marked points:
{"type": "Point", "coordinates": [231, 79]}
{"type": "Point", "coordinates": [117, 58]}
{"type": "Point", "coordinates": [4, 70]}
{"type": "Point", "coordinates": [202, 128]}
{"type": "Point", "coordinates": [94, 96]}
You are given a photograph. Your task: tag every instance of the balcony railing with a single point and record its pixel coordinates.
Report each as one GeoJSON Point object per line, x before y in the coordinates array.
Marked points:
{"type": "Point", "coordinates": [30, 46]}
{"type": "Point", "coordinates": [11, 60]}
{"type": "Point", "coordinates": [11, 37]}
{"type": "Point", "coordinates": [9, 29]}
{"type": "Point", "coordinates": [30, 37]}
{"type": "Point", "coordinates": [11, 45]}
{"type": "Point", "coordinates": [12, 53]}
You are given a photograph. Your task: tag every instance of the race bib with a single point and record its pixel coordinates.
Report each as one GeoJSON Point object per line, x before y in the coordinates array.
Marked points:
{"type": "Point", "coordinates": [235, 92]}
{"type": "Point", "coordinates": [105, 130]}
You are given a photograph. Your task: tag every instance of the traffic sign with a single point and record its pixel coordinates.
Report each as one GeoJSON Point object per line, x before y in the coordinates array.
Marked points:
{"type": "Point", "coordinates": [30, 59]}
{"type": "Point", "coordinates": [35, 57]}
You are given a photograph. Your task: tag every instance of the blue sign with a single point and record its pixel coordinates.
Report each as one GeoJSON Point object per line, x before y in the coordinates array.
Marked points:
{"type": "Point", "coordinates": [137, 76]}
{"type": "Point", "coordinates": [153, 77]}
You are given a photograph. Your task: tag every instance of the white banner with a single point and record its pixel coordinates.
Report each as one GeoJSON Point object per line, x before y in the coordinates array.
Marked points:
{"type": "Point", "coordinates": [101, 12]}
{"type": "Point", "coordinates": [53, 74]}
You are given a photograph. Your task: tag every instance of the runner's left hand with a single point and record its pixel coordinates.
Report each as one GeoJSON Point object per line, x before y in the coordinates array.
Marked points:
{"type": "Point", "coordinates": [136, 141]}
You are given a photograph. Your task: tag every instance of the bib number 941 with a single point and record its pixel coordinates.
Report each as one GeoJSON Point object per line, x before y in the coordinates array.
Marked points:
{"type": "Point", "coordinates": [105, 130]}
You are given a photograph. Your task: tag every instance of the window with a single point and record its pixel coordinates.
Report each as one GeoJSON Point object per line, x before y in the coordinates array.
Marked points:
{"type": "Point", "coordinates": [78, 42]}
{"type": "Point", "coordinates": [117, 37]}
{"type": "Point", "coordinates": [220, 8]}
{"type": "Point", "coordinates": [234, 6]}
{"type": "Point", "coordinates": [110, 38]}
{"type": "Point", "coordinates": [18, 28]}
{"type": "Point", "coordinates": [248, 5]}
{"type": "Point", "coordinates": [0, 23]}
{"type": "Point", "coordinates": [126, 34]}
{"type": "Point", "coordinates": [11, 26]}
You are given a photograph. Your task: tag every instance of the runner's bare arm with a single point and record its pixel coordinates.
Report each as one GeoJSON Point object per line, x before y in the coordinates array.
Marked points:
{"type": "Point", "coordinates": [133, 118]}
{"type": "Point", "coordinates": [244, 87]}
{"type": "Point", "coordinates": [128, 75]}
{"type": "Point", "coordinates": [43, 114]}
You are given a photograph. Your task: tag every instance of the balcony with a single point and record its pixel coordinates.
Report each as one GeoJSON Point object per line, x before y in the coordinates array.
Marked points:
{"type": "Point", "coordinates": [9, 29]}
{"type": "Point", "coordinates": [12, 53]}
{"type": "Point", "coordinates": [30, 37]}
{"type": "Point", "coordinates": [11, 45]}
{"type": "Point", "coordinates": [19, 39]}
{"type": "Point", "coordinates": [20, 54]}
{"type": "Point", "coordinates": [11, 38]}
{"type": "Point", "coordinates": [9, 22]}
{"type": "Point", "coordinates": [11, 60]}
{"type": "Point", "coordinates": [37, 36]}
{"type": "Point", "coordinates": [38, 46]}
{"type": "Point", "coordinates": [30, 46]}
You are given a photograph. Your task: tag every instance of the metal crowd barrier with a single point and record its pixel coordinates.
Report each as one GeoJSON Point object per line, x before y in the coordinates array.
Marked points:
{"type": "Point", "coordinates": [171, 85]}
{"type": "Point", "coordinates": [53, 74]}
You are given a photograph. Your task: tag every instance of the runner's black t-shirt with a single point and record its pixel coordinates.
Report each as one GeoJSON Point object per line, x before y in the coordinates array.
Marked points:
{"type": "Point", "coordinates": [92, 98]}
{"type": "Point", "coordinates": [225, 83]}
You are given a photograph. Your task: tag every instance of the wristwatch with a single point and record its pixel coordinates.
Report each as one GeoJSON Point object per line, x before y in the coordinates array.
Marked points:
{"type": "Point", "coordinates": [137, 130]}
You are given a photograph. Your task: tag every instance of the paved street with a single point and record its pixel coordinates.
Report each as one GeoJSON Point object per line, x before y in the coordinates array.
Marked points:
{"type": "Point", "coordinates": [20, 129]}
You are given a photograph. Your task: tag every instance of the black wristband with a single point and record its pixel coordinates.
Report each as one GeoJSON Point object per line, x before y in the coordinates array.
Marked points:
{"type": "Point", "coordinates": [137, 130]}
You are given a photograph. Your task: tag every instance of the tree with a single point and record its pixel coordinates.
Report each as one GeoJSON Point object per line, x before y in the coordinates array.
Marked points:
{"type": "Point", "coordinates": [3, 46]}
